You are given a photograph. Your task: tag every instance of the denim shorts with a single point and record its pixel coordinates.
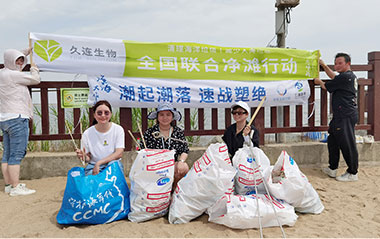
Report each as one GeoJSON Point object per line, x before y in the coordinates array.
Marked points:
{"type": "Point", "coordinates": [90, 167]}
{"type": "Point", "coordinates": [15, 139]}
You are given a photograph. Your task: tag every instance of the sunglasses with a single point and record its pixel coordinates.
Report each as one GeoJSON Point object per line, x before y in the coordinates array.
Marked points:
{"type": "Point", "coordinates": [238, 113]}
{"type": "Point", "coordinates": [100, 113]}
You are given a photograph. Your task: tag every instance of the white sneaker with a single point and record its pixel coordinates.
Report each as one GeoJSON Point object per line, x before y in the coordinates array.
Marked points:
{"type": "Point", "coordinates": [7, 189]}
{"type": "Point", "coordinates": [331, 173]}
{"type": "Point", "coordinates": [347, 177]}
{"type": "Point", "coordinates": [20, 190]}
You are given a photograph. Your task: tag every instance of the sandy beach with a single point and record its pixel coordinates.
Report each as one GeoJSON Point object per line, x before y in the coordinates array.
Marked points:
{"type": "Point", "coordinates": [351, 210]}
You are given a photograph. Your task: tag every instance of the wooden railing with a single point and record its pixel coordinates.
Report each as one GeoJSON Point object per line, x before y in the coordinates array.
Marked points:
{"type": "Point", "coordinates": [368, 100]}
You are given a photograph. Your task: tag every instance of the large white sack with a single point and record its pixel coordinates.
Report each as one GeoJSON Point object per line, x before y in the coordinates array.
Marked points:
{"type": "Point", "coordinates": [293, 187]}
{"type": "Point", "coordinates": [241, 212]}
{"type": "Point", "coordinates": [210, 178]}
{"type": "Point", "coordinates": [151, 178]}
{"type": "Point", "coordinates": [248, 168]}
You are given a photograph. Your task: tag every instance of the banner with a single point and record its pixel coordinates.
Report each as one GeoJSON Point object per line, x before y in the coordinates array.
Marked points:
{"type": "Point", "coordinates": [78, 55]}
{"type": "Point", "coordinates": [121, 58]}
{"type": "Point", "coordinates": [149, 92]}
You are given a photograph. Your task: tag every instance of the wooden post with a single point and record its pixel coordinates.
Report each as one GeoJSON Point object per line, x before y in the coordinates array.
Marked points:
{"type": "Point", "coordinates": [126, 123]}
{"type": "Point", "coordinates": [374, 95]}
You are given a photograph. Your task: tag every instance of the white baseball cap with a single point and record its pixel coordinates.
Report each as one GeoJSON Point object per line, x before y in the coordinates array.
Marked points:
{"type": "Point", "coordinates": [243, 105]}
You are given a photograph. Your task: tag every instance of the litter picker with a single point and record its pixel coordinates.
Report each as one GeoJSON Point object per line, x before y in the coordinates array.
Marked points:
{"type": "Point", "coordinates": [258, 165]}
{"type": "Point", "coordinates": [72, 138]}
{"type": "Point", "coordinates": [134, 139]}
{"type": "Point", "coordinates": [257, 110]}
{"type": "Point", "coordinates": [142, 136]}
{"type": "Point", "coordinates": [31, 47]}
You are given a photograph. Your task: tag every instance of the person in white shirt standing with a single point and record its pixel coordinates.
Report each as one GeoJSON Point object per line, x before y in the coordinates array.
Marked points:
{"type": "Point", "coordinates": [103, 142]}
{"type": "Point", "coordinates": [15, 111]}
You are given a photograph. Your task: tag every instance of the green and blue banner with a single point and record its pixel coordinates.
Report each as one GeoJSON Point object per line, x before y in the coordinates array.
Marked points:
{"type": "Point", "coordinates": [172, 60]}
{"type": "Point", "coordinates": [141, 74]}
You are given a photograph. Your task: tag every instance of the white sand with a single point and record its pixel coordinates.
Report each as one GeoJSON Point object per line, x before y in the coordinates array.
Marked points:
{"type": "Point", "coordinates": [351, 210]}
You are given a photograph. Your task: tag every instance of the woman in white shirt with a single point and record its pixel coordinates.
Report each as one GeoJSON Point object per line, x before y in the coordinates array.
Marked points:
{"type": "Point", "coordinates": [103, 142]}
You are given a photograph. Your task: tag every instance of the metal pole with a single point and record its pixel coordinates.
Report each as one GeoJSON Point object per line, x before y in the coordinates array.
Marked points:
{"type": "Point", "coordinates": [281, 28]}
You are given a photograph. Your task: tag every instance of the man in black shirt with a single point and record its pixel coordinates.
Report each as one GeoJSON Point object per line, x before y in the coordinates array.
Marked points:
{"type": "Point", "coordinates": [345, 116]}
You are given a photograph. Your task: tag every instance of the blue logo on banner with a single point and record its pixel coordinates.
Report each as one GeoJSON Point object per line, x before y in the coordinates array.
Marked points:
{"type": "Point", "coordinates": [299, 86]}
{"type": "Point", "coordinates": [281, 90]}
{"type": "Point", "coordinates": [163, 181]}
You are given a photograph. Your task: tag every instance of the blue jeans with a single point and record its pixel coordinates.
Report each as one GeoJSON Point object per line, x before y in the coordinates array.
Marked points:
{"type": "Point", "coordinates": [15, 140]}
{"type": "Point", "coordinates": [88, 169]}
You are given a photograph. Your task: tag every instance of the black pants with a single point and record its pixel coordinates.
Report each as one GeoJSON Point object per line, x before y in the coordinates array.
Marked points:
{"type": "Point", "coordinates": [342, 137]}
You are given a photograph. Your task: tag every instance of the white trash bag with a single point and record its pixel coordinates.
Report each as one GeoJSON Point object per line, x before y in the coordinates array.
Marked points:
{"type": "Point", "coordinates": [286, 181]}
{"type": "Point", "coordinates": [151, 179]}
{"type": "Point", "coordinates": [210, 178]}
{"type": "Point", "coordinates": [248, 168]}
{"type": "Point", "coordinates": [241, 212]}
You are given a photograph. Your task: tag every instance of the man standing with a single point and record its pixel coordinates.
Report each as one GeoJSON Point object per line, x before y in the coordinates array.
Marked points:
{"type": "Point", "coordinates": [345, 116]}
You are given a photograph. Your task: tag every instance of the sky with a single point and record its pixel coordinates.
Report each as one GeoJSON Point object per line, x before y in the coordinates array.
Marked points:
{"type": "Point", "coordinates": [330, 26]}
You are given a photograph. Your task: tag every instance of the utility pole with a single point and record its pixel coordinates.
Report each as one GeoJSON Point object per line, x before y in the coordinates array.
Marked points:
{"type": "Point", "coordinates": [281, 28]}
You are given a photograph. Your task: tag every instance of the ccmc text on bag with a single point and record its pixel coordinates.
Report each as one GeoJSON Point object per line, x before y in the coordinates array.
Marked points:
{"type": "Point", "coordinates": [94, 199]}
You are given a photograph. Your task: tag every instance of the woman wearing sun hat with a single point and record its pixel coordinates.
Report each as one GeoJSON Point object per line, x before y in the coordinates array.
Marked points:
{"type": "Point", "coordinates": [239, 132]}
{"type": "Point", "coordinates": [166, 135]}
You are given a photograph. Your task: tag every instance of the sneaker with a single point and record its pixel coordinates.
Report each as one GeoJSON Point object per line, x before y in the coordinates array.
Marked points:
{"type": "Point", "coordinates": [20, 190]}
{"type": "Point", "coordinates": [7, 189]}
{"type": "Point", "coordinates": [331, 173]}
{"type": "Point", "coordinates": [347, 177]}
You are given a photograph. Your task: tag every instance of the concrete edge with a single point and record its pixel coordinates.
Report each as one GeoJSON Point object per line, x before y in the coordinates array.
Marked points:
{"type": "Point", "coordinates": [51, 164]}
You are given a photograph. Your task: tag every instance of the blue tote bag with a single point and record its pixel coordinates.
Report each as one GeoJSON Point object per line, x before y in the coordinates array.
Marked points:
{"type": "Point", "coordinates": [94, 199]}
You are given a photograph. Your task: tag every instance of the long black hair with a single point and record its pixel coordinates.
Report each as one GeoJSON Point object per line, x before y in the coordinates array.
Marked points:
{"type": "Point", "coordinates": [99, 103]}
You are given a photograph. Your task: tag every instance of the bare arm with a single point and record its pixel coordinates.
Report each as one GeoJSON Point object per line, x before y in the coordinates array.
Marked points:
{"type": "Point", "coordinates": [320, 82]}
{"type": "Point", "coordinates": [183, 157]}
{"type": "Point", "coordinates": [327, 69]}
{"type": "Point", "coordinates": [116, 155]}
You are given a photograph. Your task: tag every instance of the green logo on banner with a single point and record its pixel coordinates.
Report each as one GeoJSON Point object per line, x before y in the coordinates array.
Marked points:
{"type": "Point", "coordinates": [49, 50]}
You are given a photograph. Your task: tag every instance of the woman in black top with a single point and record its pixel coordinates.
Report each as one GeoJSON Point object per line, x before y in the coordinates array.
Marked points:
{"type": "Point", "coordinates": [166, 135]}
{"type": "Point", "coordinates": [239, 132]}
